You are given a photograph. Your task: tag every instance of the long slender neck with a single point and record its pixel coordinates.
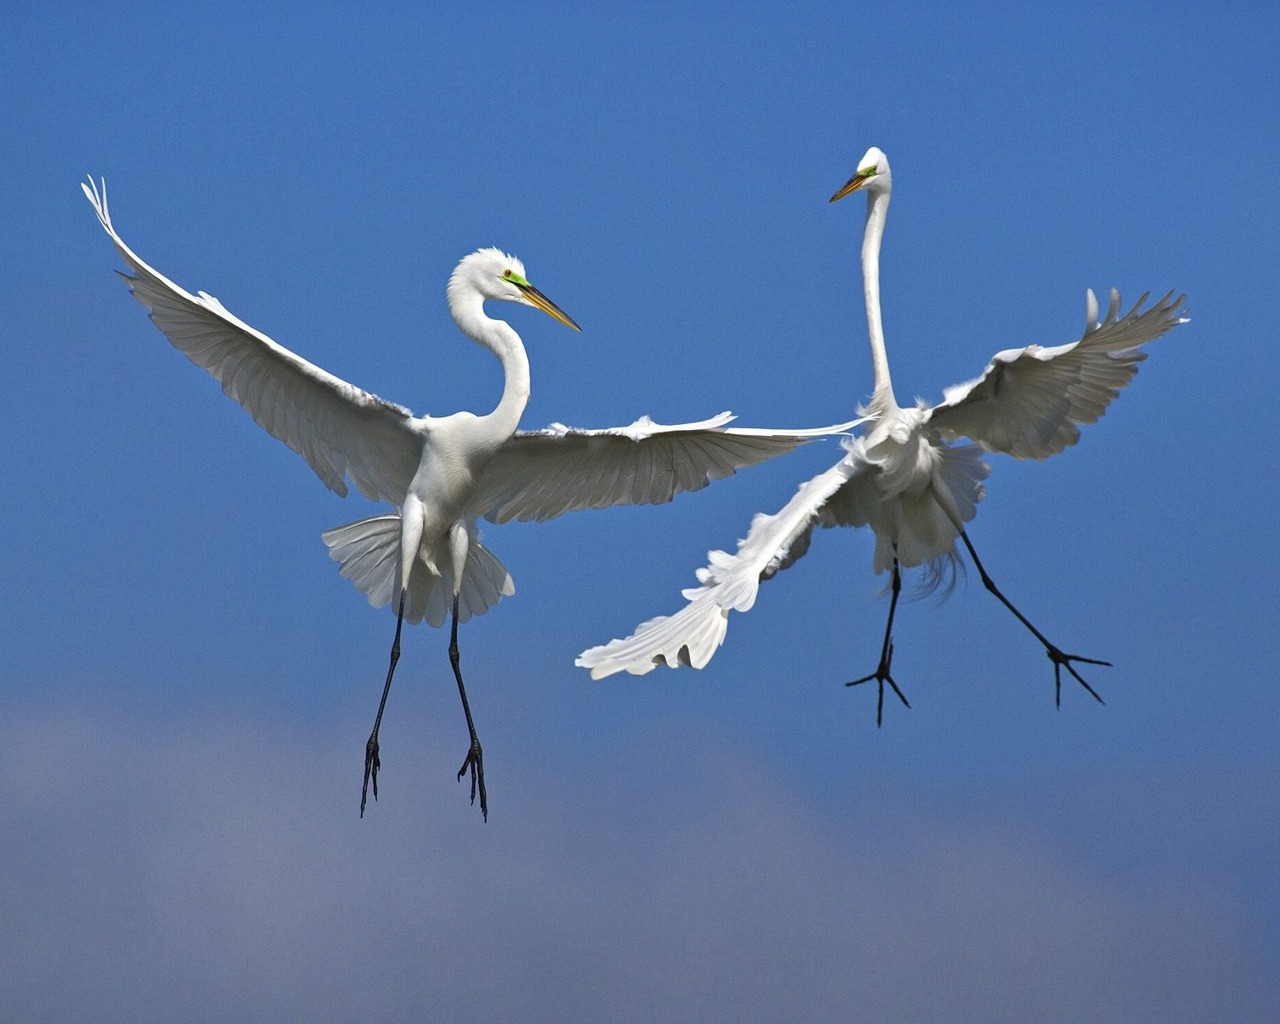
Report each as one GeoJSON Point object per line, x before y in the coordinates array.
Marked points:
{"type": "Point", "coordinates": [877, 211]}
{"type": "Point", "coordinates": [501, 339]}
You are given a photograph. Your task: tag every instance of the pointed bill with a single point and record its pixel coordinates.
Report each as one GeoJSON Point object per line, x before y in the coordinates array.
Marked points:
{"type": "Point", "coordinates": [853, 184]}
{"type": "Point", "coordinates": [545, 304]}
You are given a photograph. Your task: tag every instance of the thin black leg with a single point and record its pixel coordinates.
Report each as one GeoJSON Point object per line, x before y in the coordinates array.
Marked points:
{"type": "Point", "coordinates": [1056, 655]}
{"type": "Point", "coordinates": [881, 674]}
{"type": "Point", "coordinates": [475, 756]}
{"type": "Point", "coordinates": [371, 761]}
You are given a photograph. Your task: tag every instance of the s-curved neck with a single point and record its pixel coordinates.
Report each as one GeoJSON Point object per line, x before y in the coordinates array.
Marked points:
{"type": "Point", "coordinates": [877, 212]}
{"type": "Point", "coordinates": [500, 338]}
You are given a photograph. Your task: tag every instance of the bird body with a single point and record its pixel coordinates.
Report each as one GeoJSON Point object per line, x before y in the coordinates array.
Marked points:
{"type": "Point", "coordinates": [904, 476]}
{"type": "Point", "coordinates": [442, 473]}
{"type": "Point", "coordinates": [914, 491]}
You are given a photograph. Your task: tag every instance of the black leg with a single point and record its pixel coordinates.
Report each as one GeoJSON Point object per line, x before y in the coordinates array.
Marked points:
{"type": "Point", "coordinates": [881, 674]}
{"type": "Point", "coordinates": [371, 761]}
{"type": "Point", "coordinates": [475, 756]}
{"type": "Point", "coordinates": [1060, 660]}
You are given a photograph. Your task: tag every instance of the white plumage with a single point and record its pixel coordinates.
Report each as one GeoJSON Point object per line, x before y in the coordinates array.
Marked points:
{"type": "Point", "coordinates": [901, 477]}
{"type": "Point", "coordinates": [444, 473]}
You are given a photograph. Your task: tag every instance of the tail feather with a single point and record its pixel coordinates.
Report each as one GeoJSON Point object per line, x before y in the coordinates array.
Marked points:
{"type": "Point", "coordinates": [368, 554]}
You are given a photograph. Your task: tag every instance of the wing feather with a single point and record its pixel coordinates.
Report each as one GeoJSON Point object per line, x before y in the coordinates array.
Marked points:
{"type": "Point", "coordinates": [728, 583]}
{"type": "Point", "coordinates": [341, 430]}
{"type": "Point", "coordinates": [1031, 402]}
{"type": "Point", "coordinates": [544, 473]}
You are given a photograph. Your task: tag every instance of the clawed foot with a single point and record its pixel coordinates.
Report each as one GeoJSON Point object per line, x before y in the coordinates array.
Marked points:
{"type": "Point", "coordinates": [371, 766]}
{"type": "Point", "coordinates": [1061, 661]}
{"type": "Point", "coordinates": [881, 676]}
{"type": "Point", "coordinates": [475, 764]}
{"type": "Point", "coordinates": [1056, 655]}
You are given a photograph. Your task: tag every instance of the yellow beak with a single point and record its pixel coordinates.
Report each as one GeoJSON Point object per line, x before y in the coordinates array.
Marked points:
{"type": "Point", "coordinates": [546, 305]}
{"type": "Point", "coordinates": [852, 185]}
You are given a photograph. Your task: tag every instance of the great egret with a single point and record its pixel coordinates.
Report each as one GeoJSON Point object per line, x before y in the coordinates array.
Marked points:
{"type": "Point", "coordinates": [443, 472]}
{"type": "Point", "coordinates": [902, 478]}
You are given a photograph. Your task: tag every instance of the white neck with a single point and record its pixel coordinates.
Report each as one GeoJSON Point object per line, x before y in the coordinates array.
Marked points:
{"type": "Point", "coordinates": [501, 339]}
{"type": "Point", "coordinates": [877, 212]}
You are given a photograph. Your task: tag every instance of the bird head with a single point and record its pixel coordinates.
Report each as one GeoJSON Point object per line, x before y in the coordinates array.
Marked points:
{"type": "Point", "coordinates": [493, 274]}
{"type": "Point", "coordinates": [872, 174]}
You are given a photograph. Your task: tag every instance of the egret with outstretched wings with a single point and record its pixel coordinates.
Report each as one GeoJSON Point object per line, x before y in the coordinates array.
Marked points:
{"type": "Point", "coordinates": [443, 472]}
{"type": "Point", "coordinates": [902, 477]}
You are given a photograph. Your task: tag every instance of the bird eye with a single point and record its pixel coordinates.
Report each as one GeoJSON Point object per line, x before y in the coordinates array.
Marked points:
{"type": "Point", "coordinates": [506, 273]}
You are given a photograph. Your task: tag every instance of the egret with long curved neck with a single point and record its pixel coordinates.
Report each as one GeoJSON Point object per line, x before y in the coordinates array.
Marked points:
{"type": "Point", "coordinates": [875, 176]}
{"type": "Point", "coordinates": [433, 521]}
{"type": "Point", "coordinates": [443, 473]}
{"type": "Point", "coordinates": [903, 477]}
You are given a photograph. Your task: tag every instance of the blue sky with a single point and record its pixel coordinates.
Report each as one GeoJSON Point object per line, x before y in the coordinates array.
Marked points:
{"type": "Point", "coordinates": [187, 683]}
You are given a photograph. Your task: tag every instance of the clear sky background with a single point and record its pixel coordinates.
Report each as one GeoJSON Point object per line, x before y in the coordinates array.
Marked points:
{"type": "Point", "coordinates": [187, 684]}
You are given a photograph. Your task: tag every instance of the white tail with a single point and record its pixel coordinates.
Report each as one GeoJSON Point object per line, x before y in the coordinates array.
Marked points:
{"type": "Point", "coordinates": [368, 552]}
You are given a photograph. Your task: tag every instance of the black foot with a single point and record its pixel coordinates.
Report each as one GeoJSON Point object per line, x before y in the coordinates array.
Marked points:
{"type": "Point", "coordinates": [371, 766]}
{"type": "Point", "coordinates": [881, 676]}
{"type": "Point", "coordinates": [475, 764]}
{"type": "Point", "coordinates": [1061, 661]}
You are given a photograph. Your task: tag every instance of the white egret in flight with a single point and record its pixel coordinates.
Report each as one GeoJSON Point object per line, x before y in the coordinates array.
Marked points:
{"type": "Point", "coordinates": [443, 472]}
{"type": "Point", "coordinates": [903, 478]}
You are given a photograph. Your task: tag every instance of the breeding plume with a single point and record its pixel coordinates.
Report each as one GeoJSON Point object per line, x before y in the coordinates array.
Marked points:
{"type": "Point", "coordinates": [445, 472]}
{"type": "Point", "coordinates": [903, 476]}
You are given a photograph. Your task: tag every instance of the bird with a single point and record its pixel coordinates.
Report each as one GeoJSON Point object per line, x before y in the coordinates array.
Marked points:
{"type": "Point", "coordinates": [906, 476]}
{"type": "Point", "coordinates": [441, 474]}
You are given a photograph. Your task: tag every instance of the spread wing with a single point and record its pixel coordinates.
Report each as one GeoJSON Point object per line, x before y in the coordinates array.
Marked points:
{"type": "Point", "coordinates": [1031, 402]}
{"type": "Point", "coordinates": [544, 473]}
{"type": "Point", "coordinates": [341, 430]}
{"type": "Point", "coordinates": [729, 583]}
